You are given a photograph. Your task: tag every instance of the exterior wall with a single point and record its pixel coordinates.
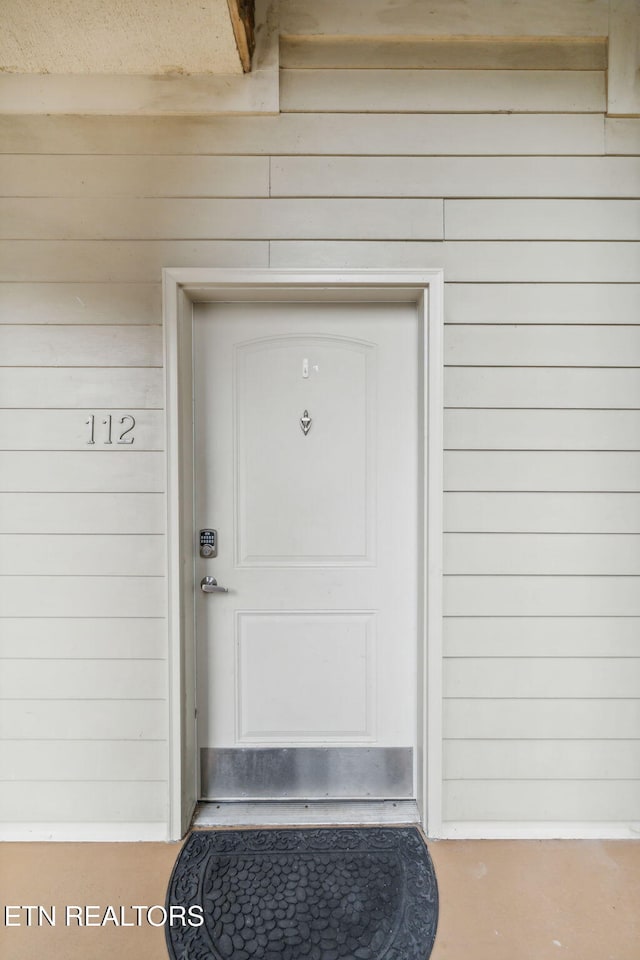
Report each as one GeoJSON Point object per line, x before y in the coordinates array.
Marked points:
{"type": "Point", "coordinates": [537, 235]}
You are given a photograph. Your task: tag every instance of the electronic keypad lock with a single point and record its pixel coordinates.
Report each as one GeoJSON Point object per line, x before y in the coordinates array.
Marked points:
{"type": "Point", "coordinates": [208, 544]}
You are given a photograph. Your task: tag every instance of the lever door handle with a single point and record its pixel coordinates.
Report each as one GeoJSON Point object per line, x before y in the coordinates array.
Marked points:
{"type": "Point", "coordinates": [210, 585]}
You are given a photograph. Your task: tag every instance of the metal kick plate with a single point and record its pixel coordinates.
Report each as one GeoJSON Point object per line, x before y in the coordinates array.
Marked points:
{"type": "Point", "coordinates": [309, 773]}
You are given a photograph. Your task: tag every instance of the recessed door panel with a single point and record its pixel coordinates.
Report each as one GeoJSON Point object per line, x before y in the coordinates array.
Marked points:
{"type": "Point", "coordinates": [288, 686]}
{"type": "Point", "coordinates": [305, 441]}
{"type": "Point", "coordinates": [307, 466]}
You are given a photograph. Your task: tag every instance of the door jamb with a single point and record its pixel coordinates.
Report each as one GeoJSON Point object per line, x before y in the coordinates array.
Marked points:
{"type": "Point", "coordinates": [182, 288]}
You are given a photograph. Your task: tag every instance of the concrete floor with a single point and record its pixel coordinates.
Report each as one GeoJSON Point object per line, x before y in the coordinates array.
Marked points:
{"type": "Point", "coordinates": [499, 900]}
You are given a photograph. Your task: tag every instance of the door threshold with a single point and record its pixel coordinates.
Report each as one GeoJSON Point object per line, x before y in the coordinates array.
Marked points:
{"type": "Point", "coordinates": [278, 813]}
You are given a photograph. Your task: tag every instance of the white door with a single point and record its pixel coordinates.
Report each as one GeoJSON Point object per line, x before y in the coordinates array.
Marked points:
{"type": "Point", "coordinates": [306, 438]}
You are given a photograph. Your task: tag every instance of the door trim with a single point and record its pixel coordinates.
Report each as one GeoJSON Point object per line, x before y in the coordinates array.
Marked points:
{"type": "Point", "coordinates": [181, 289]}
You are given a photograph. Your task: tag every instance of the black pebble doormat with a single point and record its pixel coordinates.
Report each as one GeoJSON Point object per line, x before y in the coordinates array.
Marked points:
{"type": "Point", "coordinates": [323, 894]}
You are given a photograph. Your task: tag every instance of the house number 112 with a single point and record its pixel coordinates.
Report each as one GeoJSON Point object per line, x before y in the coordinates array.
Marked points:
{"type": "Point", "coordinates": [127, 422]}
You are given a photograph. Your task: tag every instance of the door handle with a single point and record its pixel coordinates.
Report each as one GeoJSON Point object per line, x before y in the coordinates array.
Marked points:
{"type": "Point", "coordinates": [210, 585]}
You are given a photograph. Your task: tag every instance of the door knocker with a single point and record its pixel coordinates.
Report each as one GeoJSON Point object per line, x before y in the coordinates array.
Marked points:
{"type": "Point", "coordinates": [305, 422]}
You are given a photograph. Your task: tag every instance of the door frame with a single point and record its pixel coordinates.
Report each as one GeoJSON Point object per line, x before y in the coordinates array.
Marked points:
{"type": "Point", "coordinates": [182, 288]}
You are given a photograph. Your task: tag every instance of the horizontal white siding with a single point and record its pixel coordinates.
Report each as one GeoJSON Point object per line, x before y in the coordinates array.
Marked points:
{"type": "Point", "coordinates": [60, 346]}
{"type": "Point", "coordinates": [61, 429]}
{"type": "Point", "coordinates": [542, 512]}
{"type": "Point", "coordinates": [92, 141]}
{"type": "Point", "coordinates": [479, 91]}
{"type": "Point", "coordinates": [444, 53]}
{"type": "Point", "coordinates": [542, 595]}
{"type": "Point", "coordinates": [82, 472]}
{"type": "Point", "coordinates": [44, 720]}
{"type": "Point", "coordinates": [489, 261]}
{"type": "Point", "coordinates": [84, 303]}
{"type": "Point", "coordinates": [622, 136]}
{"type": "Point", "coordinates": [547, 718]}
{"type": "Point", "coordinates": [542, 346]}
{"type": "Point", "coordinates": [510, 180]}
{"type": "Point", "coordinates": [95, 679]}
{"type": "Point", "coordinates": [110, 219]}
{"type": "Point", "coordinates": [537, 554]}
{"type": "Point", "coordinates": [540, 429]}
{"type": "Point", "coordinates": [128, 176]}
{"type": "Point", "coordinates": [83, 688]}
{"type": "Point", "coordinates": [71, 387]}
{"type": "Point", "coordinates": [542, 219]}
{"type": "Point", "coordinates": [82, 596]}
{"type": "Point", "coordinates": [103, 555]}
{"type": "Point", "coordinates": [542, 677]}
{"type": "Point", "coordinates": [78, 637]}
{"type": "Point", "coordinates": [123, 261]}
{"type": "Point", "coordinates": [464, 261]}
{"type": "Point", "coordinates": [43, 512]}
{"type": "Point", "coordinates": [455, 176]}
{"type": "Point", "coordinates": [547, 470]}
{"type": "Point", "coordinates": [560, 388]}
{"type": "Point", "coordinates": [543, 303]}
{"type": "Point", "coordinates": [84, 802]}
{"type": "Point", "coordinates": [491, 18]}
{"type": "Point", "coordinates": [536, 800]}
{"type": "Point", "coordinates": [554, 759]}
{"type": "Point", "coordinates": [541, 636]}
{"type": "Point", "coordinates": [66, 760]}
